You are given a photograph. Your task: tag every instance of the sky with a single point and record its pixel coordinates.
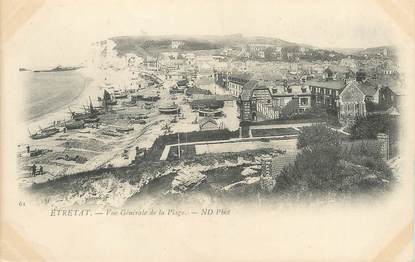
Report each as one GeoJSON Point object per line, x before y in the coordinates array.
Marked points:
{"type": "Point", "coordinates": [64, 30]}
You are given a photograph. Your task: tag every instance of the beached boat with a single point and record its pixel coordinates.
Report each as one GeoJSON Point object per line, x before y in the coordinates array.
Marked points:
{"type": "Point", "coordinates": [73, 124]}
{"type": "Point", "coordinates": [120, 94]}
{"type": "Point", "coordinates": [124, 129]}
{"type": "Point", "coordinates": [44, 133]}
{"type": "Point", "coordinates": [169, 109]}
{"type": "Point", "coordinates": [91, 120]}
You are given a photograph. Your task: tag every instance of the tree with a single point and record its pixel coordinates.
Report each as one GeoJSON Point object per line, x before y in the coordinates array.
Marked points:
{"type": "Point", "coordinates": [360, 75]}
{"type": "Point", "coordinates": [318, 135]}
{"type": "Point", "coordinates": [314, 169]}
{"type": "Point", "coordinates": [323, 166]}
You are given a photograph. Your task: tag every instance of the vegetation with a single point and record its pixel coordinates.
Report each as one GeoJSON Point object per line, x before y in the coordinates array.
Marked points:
{"type": "Point", "coordinates": [324, 166]}
{"type": "Point", "coordinates": [156, 150]}
{"type": "Point", "coordinates": [370, 126]}
{"type": "Point", "coordinates": [145, 47]}
{"type": "Point", "coordinates": [318, 135]}
{"type": "Point", "coordinates": [373, 107]}
{"type": "Point", "coordinates": [273, 132]}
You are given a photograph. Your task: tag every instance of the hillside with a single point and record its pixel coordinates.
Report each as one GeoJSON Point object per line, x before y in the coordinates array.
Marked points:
{"type": "Point", "coordinates": [152, 45]}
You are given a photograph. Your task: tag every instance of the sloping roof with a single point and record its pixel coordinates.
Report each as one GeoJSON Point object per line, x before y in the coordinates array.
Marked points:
{"type": "Point", "coordinates": [295, 90]}
{"type": "Point", "coordinates": [247, 90]}
{"type": "Point", "coordinates": [331, 84]}
{"type": "Point", "coordinates": [366, 88]}
{"type": "Point", "coordinates": [206, 120]}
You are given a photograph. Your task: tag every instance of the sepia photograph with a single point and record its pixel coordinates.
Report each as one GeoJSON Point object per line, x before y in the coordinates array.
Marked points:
{"type": "Point", "coordinates": [190, 117]}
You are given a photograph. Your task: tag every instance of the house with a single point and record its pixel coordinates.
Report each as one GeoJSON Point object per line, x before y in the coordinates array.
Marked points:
{"type": "Point", "coordinates": [349, 63]}
{"type": "Point", "coordinates": [352, 101]}
{"type": "Point", "coordinates": [391, 96]}
{"type": "Point", "coordinates": [291, 93]}
{"type": "Point", "coordinates": [255, 103]}
{"type": "Point", "coordinates": [151, 63]}
{"type": "Point", "coordinates": [236, 81]}
{"type": "Point", "coordinates": [325, 92]}
{"type": "Point", "coordinates": [208, 123]}
{"type": "Point", "coordinates": [176, 44]}
{"type": "Point", "coordinates": [175, 75]}
{"type": "Point", "coordinates": [220, 78]}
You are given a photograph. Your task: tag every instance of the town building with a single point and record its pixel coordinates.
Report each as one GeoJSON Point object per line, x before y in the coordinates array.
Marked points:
{"type": "Point", "coordinates": [208, 123]}
{"type": "Point", "coordinates": [291, 98]}
{"type": "Point", "coordinates": [255, 103]}
{"type": "Point", "coordinates": [391, 96]}
{"type": "Point", "coordinates": [353, 101]}
{"type": "Point", "coordinates": [176, 44]}
{"type": "Point", "coordinates": [220, 78]}
{"type": "Point", "coordinates": [325, 92]}
{"type": "Point", "coordinates": [151, 63]}
{"type": "Point", "coordinates": [236, 82]}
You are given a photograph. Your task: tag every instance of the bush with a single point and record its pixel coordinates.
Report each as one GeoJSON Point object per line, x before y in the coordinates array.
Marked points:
{"type": "Point", "coordinates": [326, 165]}
{"type": "Point", "coordinates": [318, 135]}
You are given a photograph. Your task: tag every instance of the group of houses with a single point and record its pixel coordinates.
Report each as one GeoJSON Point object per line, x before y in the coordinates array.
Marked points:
{"type": "Point", "coordinates": [348, 96]}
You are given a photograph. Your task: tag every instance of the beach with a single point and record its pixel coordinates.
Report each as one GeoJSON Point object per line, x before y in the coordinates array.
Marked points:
{"type": "Point", "coordinates": [89, 148]}
{"type": "Point", "coordinates": [57, 101]}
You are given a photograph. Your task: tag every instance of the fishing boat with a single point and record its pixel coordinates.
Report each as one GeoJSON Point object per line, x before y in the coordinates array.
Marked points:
{"type": "Point", "coordinates": [169, 109]}
{"type": "Point", "coordinates": [74, 124]}
{"type": "Point", "coordinates": [124, 129]}
{"type": "Point", "coordinates": [89, 116]}
{"type": "Point", "coordinates": [44, 133]}
{"type": "Point", "coordinates": [119, 94]}
{"type": "Point", "coordinates": [91, 120]}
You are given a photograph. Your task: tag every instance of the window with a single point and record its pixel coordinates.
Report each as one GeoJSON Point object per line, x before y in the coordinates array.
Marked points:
{"type": "Point", "coordinates": [304, 101]}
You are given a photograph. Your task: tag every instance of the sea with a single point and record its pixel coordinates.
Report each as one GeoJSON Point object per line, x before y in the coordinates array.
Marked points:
{"type": "Point", "coordinates": [48, 92]}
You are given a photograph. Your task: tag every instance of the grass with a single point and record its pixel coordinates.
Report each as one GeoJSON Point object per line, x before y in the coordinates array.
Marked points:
{"type": "Point", "coordinates": [156, 150]}
{"type": "Point", "coordinates": [273, 132]}
{"type": "Point", "coordinates": [186, 151]}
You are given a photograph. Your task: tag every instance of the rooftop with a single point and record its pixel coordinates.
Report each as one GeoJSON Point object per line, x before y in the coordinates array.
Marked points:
{"type": "Point", "coordinates": [247, 90]}
{"type": "Point", "coordinates": [206, 120]}
{"type": "Point", "coordinates": [330, 84]}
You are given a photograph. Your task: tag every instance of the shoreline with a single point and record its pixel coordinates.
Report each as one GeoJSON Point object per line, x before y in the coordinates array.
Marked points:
{"type": "Point", "coordinates": [90, 89]}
